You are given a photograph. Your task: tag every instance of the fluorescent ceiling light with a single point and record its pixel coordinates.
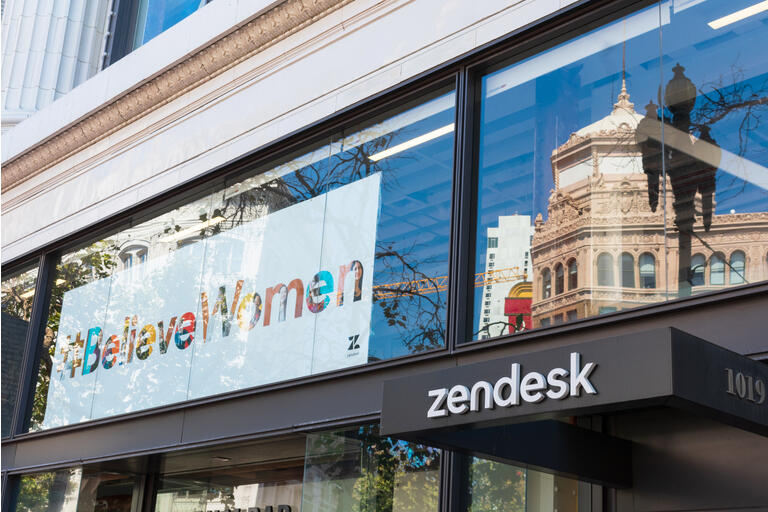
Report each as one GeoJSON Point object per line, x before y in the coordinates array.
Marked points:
{"type": "Point", "coordinates": [739, 15]}
{"type": "Point", "coordinates": [589, 44]}
{"type": "Point", "coordinates": [184, 233]}
{"type": "Point", "coordinates": [436, 106]}
{"type": "Point", "coordinates": [421, 139]}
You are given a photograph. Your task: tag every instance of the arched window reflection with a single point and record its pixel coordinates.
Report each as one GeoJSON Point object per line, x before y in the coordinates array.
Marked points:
{"type": "Point", "coordinates": [559, 279]}
{"type": "Point", "coordinates": [717, 269]}
{"type": "Point", "coordinates": [738, 260]}
{"type": "Point", "coordinates": [698, 263]}
{"type": "Point", "coordinates": [605, 270]}
{"type": "Point", "coordinates": [573, 275]}
{"type": "Point", "coordinates": [546, 284]}
{"type": "Point", "coordinates": [627, 270]}
{"type": "Point", "coordinates": [647, 270]}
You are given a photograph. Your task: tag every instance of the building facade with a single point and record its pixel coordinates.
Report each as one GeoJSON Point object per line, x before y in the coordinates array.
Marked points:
{"type": "Point", "coordinates": [384, 255]}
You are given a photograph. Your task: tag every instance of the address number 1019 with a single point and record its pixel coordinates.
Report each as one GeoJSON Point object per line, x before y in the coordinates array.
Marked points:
{"type": "Point", "coordinates": [745, 387]}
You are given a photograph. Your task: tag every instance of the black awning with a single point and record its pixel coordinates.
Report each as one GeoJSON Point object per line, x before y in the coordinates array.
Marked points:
{"type": "Point", "coordinates": [506, 409]}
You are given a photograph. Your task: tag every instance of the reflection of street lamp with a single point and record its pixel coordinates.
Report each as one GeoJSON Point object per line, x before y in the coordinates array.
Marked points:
{"type": "Point", "coordinates": [687, 174]}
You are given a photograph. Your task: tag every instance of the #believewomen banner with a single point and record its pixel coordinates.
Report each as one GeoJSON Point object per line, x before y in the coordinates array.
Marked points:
{"type": "Point", "coordinates": [283, 296]}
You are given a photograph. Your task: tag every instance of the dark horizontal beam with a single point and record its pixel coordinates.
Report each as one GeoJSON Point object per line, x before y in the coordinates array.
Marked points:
{"type": "Point", "coordinates": [550, 446]}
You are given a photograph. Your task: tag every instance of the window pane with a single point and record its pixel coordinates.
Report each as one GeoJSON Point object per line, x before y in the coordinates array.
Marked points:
{"type": "Point", "coordinates": [647, 271]}
{"type": "Point", "coordinates": [737, 267]}
{"type": "Point", "coordinates": [497, 487]}
{"type": "Point", "coordinates": [696, 272]}
{"type": "Point", "coordinates": [573, 277]}
{"type": "Point", "coordinates": [231, 477]}
{"type": "Point", "coordinates": [76, 488]}
{"type": "Point", "coordinates": [156, 16]}
{"type": "Point", "coordinates": [18, 293]}
{"type": "Point", "coordinates": [605, 270]}
{"type": "Point", "coordinates": [570, 145]}
{"type": "Point", "coordinates": [714, 94]}
{"type": "Point", "coordinates": [627, 271]}
{"type": "Point", "coordinates": [328, 258]}
{"type": "Point", "coordinates": [717, 270]}
{"type": "Point", "coordinates": [358, 471]}
{"type": "Point", "coordinates": [560, 175]}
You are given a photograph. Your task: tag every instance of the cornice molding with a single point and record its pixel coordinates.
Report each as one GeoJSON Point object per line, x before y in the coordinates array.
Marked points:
{"type": "Point", "coordinates": [265, 30]}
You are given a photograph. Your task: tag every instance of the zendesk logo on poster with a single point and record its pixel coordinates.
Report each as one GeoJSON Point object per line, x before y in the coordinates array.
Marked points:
{"type": "Point", "coordinates": [282, 296]}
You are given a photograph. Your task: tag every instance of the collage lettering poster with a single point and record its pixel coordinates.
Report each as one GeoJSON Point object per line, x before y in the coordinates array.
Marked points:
{"type": "Point", "coordinates": [287, 295]}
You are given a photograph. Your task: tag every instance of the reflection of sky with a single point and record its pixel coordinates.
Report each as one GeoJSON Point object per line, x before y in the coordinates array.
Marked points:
{"type": "Point", "coordinates": [163, 14]}
{"type": "Point", "coordinates": [531, 108]}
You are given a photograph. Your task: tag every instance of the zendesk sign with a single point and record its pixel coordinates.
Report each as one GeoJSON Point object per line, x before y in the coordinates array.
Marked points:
{"type": "Point", "coordinates": [660, 367]}
{"type": "Point", "coordinates": [508, 391]}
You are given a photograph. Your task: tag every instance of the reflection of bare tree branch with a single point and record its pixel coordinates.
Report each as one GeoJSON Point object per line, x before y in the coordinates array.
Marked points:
{"type": "Point", "coordinates": [518, 326]}
{"type": "Point", "coordinates": [417, 317]}
{"type": "Point", "coordinates": [421, 325]}
{"type": "Point", "coordinates": [719, 100]}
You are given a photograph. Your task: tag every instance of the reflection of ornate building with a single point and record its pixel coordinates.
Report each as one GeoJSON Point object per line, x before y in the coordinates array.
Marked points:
{"type": "Point", "coordinates": [602, 248]}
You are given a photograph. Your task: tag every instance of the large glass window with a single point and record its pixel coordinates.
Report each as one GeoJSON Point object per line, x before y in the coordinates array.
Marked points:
{"type": "Point", "coordinates": [259, 474]}
{"type": "Point", "coordinates": [358, 471]}
{"type": "Point", "coordinates": [77, 489]}
{"type": "Point", "coordinates": [497, 487]}
{"type": "Point", "coordinates": [570, 162]}
{"type": "Point", "coordinates": [351, 470]}
{"type": "Point", "coordinates": [18, 292]}
{"type": "Point", "coordinates": [328, 258]}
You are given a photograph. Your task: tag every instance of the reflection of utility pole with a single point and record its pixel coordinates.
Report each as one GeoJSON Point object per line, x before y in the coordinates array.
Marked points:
{"type": "Point", "coordinates": [687, 174]}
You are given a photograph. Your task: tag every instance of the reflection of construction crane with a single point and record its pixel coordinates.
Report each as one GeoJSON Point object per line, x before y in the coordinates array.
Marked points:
{"type": "Point", "coordinates": [439, 284]}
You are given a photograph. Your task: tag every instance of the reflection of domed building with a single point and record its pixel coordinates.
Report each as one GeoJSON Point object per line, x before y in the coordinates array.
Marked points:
{"type": "Point", "coordinates": [602, 247]}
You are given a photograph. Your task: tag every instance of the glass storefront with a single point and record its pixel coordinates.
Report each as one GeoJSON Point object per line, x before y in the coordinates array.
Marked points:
{"type": "Point", "coordinates": [332, 257]}
{"type": "Point", "coordinates": [261, 475]}
{"type": "Point", "coordinates": [350, 470]}
{"type": "Point", "coordinates": [498, 487]}
{"type": "Point", "coordinates": [18, 292]}
{"type": "Point", "coordinates": [77, 489]}
{"type": "Point", "coordinates": [580, 212]}
{"type": "Point", "coordinates": [355, 470]}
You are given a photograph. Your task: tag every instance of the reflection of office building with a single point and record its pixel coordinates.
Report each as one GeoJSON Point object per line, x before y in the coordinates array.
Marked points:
{"type": "Point", "coordinates": [506, 292]}
{"type": "Point", "coordinates": [601, 248]}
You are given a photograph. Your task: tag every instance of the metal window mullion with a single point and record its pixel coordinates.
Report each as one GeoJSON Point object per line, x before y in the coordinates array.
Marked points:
{"type": "Point", "coordinates": [28, 375]}
{"type": "Point", "coordinates": [452, 477]}
{"type": "Point", "coordinates": [10, 489]}
{"type": "Point", "coordinates": [462, 243]}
